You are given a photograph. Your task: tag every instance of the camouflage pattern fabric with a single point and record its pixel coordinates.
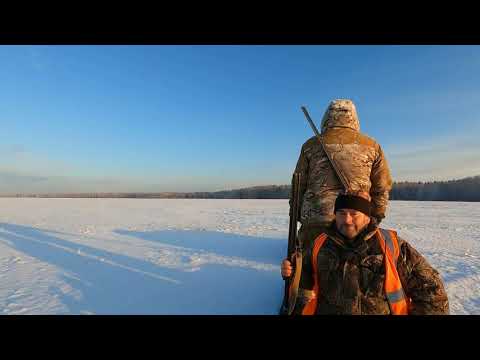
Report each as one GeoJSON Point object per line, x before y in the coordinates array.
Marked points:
{"type": "Point", "coordinates": [352, 277]}
{"type": "Point", "coordinates": [358, 156]}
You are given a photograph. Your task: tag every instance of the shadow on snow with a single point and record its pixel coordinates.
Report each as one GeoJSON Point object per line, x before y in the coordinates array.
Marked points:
{"type": "Point", "coordinates": [112, 283]}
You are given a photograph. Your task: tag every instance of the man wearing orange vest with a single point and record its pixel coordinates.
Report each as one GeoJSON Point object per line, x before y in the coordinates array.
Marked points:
{"type": "Point", "coordinates": [343, 153]}
{"type": "Point", "coordinates": [360, 269]}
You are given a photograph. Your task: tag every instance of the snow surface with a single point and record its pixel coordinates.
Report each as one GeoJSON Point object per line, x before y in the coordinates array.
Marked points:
{"type": "Point", "coordinates": [176, 256]}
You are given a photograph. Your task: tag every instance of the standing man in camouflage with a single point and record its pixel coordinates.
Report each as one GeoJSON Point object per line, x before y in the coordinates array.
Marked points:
{"type": "Point", "coordinates": [359, 158]}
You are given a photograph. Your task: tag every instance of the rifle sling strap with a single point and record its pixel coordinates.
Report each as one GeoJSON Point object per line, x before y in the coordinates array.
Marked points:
{"type": "Point", "coordinates": [335, 167]}
{"type": "Point", "coordinates": [293, 291]}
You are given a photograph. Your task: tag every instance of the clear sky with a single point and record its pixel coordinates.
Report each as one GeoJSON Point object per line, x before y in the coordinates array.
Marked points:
{"type": "Point", "coordinates": [206, 118]}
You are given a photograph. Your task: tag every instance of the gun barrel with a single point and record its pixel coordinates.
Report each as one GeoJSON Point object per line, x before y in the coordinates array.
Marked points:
{"type": "Point", "coordinates": [292, 237]}
{"type": "Point", "coordinates": [307, 115]}
{"type": "Point", "coordinates": [290, 299]}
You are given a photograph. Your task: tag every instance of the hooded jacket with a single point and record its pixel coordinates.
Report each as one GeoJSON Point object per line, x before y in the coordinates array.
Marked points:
{"type": "Point", "coordinates": [359, 157]}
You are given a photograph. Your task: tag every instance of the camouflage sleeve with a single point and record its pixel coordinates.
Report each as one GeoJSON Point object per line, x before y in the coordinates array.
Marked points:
{"type": "Point", "coordinates": [381, 185]}
{"type": "Point", "coordinates": [421, 282]}
{"type": "Point", "coordinates": [302, 168]}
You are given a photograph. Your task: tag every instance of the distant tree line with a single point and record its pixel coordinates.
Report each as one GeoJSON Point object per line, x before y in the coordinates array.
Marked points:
{"type": "Point", "coordinates": [467, 189]}
{"type": "Point", "coordinates": [256, 192]}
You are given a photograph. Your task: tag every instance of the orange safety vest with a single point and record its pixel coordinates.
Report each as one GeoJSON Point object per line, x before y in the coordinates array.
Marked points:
{"type": "Point", "coordinates": [397, 300]}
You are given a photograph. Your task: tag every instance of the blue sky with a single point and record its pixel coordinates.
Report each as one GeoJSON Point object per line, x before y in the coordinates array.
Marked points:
{"type": "Point", "coordinates": [206, 118]}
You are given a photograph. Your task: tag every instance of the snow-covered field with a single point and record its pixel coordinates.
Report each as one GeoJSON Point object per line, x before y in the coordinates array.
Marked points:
{"type": "Point", "coordinates": [144, 256]}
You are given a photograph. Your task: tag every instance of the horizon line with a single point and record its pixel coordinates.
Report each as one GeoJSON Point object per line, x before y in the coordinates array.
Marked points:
{"type": "Point", "coordinates": [117, 193]}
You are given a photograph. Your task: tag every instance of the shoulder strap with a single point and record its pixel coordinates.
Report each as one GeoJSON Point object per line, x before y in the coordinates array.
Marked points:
{"type": "Point", "coordinates": [340, 174]}
{"type": "Point", "coordinates": [293, 291]}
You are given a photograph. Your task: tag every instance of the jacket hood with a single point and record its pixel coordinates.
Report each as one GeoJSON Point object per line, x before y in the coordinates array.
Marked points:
{"type": "Point", "coordinates": [341, 113]}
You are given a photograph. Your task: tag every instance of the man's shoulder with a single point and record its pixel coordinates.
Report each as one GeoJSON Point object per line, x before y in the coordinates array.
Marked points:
{"type": "Point", "coordinates": [401, 241]}
{"type": "Point", "coordinates": [310, 141]}
{"type": "Point", "coordinates": [310, 144]}
{"type": "Point", "coordinates": [367, 140]}
{"type": "Point", "coordinates": [383, 230]}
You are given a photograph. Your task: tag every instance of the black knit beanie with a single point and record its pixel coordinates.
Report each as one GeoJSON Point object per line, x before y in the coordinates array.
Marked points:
{"type": "Point", "coordinates": [353, 202]}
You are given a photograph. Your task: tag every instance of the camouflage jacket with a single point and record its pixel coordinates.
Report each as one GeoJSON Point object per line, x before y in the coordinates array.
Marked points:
{"type": "Point", "coordinates": [352, 275]}
{"type": "Point", "coordinates": [359, 157]}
